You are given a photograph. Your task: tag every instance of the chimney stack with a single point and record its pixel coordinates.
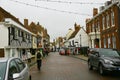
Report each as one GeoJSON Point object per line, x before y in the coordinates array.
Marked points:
{"type": "Point", "coordinates": [95, 11]}
{"type": "Point", "coordinates": [25, 22]}
{"type": "Point", "coordinates": [88, 19]}
{"type": "Point", "coordinates": [17, 19]}
{"type": "Point", "coordinates": [76, 27]}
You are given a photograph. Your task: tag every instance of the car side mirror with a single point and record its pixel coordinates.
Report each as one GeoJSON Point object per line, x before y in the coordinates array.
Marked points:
{"type": "Point", "coordinates": [96, 54]}
{"type": "Point", "coordinates": [17, 76]}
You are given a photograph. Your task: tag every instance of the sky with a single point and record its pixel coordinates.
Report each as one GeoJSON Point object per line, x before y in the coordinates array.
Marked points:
{"type": "Point", "coordinates": [57, 16]}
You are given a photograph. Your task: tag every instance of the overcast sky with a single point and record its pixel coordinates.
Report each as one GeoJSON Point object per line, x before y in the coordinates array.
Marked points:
{"type": "Point", "coordinates": [57, 16]}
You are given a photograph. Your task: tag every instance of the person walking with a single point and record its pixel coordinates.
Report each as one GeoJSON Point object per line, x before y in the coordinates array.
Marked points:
{"type": "Point", "coordinates": [29, 56]}
{"type": "Point", "coordinates": [38, 57]}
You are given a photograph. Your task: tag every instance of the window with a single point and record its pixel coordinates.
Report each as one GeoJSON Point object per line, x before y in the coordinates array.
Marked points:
{"type": "Point", "coordinates": [103, 22]}
{"type": "Point", "coordinates": [23, 36]}
{"type": "Point", "coordinates": [3, 66]}
{"type": "Point", "coordinates": [20, 64]}
{"type": "Point", "coordinates": [93, 28]}
{"type": "Point", "coordinates": [109, 42]}
{"type": "Point", "coordinates": [19, 33]}
{"type": "Point", "coordinates": [98, 26]}
{"type": "Point", "coordinates": [16, 33]}
{"type": "Point", "coordinates": [114, 42]}
{"type": "Point", "coordinates": [69, 43]}
{"type": "Point", "coordinates": [10, 30]}
{"type": "Point", "coordinates": [108, 20]}
{"type": "Point", "coordinates": [73, 42]}
{"type": "Point", "coordinates": [112, 18]}
{"type": "Point", "coordinates": [12, 69]}
{"type": "Point", "coordinates": [89, 28]}
{"type": "Point", "coordinates": [29, 38]}
{"type": "Point", "coordinates": [26, 36]}
{"type": "Point", "coordinates": [104, 42]}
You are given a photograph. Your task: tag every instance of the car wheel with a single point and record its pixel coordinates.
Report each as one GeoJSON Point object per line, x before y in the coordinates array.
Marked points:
{"type": "Point", "coordinates": [90, 66]}
{"type": "Point", "coordinates": [101, 71]}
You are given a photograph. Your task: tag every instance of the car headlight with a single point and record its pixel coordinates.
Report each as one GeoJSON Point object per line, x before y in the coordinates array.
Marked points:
{"type": "Point", "coordinates": [108, 61]}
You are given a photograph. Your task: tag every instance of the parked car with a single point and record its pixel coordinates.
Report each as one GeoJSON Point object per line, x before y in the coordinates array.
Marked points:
{"type": "Point", "coordinates": [104, 60]}
{"type": "Point", "coordinates": [13, 69]}
{"type": "Point", "coordinates": [67, 51]}
{"type": "Point", "coordinates": [62, 51]}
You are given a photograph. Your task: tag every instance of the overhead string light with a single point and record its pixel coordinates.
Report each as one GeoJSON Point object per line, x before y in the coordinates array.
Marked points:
{"type": "Point", "coordinates": [50, 8]}
{"type": "Point", "coordinates": [58, 1]}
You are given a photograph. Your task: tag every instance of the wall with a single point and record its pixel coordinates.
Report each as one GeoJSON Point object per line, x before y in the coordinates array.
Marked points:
{"type": "Point", "coordinates": [3, 36]}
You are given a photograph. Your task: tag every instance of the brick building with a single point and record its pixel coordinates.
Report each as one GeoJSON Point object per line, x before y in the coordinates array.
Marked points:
{"type": "Point", "coordinates": [105, 26]}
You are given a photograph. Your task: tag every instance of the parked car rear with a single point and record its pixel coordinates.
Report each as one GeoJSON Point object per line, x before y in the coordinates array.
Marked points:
{"type": "Point", "coordinates": [13, 69]}
{"type": "Point", "coordinates": [105, 60]}
{"type": "Point", "coordinates": [62, 51]}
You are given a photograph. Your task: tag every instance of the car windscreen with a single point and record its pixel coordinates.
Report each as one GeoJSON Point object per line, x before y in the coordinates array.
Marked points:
{"type": "Point", "coordinates": [2, 70]}
{"type": "Point", "coordinates": [109, 52]}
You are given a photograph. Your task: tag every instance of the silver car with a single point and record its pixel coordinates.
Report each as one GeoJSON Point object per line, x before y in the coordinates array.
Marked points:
{"type": "Point", "coordinates": [13, 69]}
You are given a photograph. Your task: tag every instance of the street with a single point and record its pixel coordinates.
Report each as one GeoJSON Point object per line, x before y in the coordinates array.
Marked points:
{"type": "Point", "coordinates": [60, 67]}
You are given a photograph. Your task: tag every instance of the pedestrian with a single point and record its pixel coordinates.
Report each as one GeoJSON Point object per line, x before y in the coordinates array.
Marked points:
{"type": "Point", "coordinates": [38, 57]}
{"type": "Point", "coordinates": [29, 56]}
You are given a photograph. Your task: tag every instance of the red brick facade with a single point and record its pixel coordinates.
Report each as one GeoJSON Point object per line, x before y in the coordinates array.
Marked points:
{"type": "Point", "coordinates": [108, 23]}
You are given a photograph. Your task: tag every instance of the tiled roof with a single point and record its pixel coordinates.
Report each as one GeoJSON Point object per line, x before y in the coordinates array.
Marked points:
{"type": "Point", "coordinates": [33, 28]}
{"type": "Point", "coordinates": [75, 32]}
{"type": "Point", "coordinates": [4, 14]}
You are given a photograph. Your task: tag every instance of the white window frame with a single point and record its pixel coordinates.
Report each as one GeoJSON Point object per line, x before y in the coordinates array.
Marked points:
{"type": "Point", "coordinates": [103, 22]}
{"type": "Point", "coordinates": [109, 42]}
{"type": "Point", "coordinates": [98, 26]}
{"type": "Point", "coordinates": [93, 28]}
{"type": "Point", "coordinates": [108, 21]}
{"type": "Point", "coordinates": [105, 43]}
{"type": "Point", "coordinates": [16, 33]}
{"type": "Point", "coordinates": [114, 41]}
{"type": "Point", "coordinates": [112, 19]}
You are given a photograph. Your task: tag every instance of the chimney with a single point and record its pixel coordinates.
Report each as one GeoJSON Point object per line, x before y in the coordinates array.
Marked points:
{"type": "Point", "coordinates": [76, 27]}
{"type": "Point", "coordinates": [88, 19]}
{"type": "Point", "coordinates": [18, 19]}
{"type": "Point", "coordinates": [95, 11]}
{"type": "Point", "coordinates": [25, 22]}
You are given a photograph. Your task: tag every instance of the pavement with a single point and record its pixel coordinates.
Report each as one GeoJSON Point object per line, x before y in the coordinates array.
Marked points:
{"type": "Point", "coordinates": [82, 57]}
